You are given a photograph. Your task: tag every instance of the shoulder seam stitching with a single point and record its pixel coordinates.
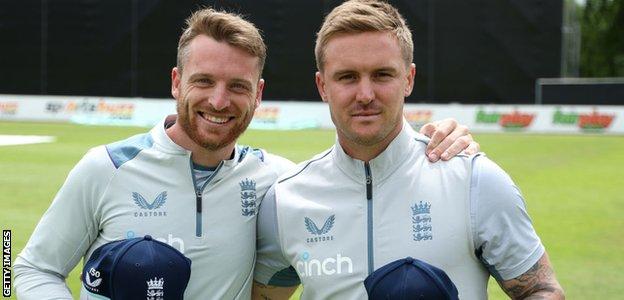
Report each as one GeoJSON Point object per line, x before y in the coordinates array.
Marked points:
{"type": "Point", "coordinates": [308, 164]}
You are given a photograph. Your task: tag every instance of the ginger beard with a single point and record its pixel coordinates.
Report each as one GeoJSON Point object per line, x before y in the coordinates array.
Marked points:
{"type": "Point", "coordinates": [212, 138]}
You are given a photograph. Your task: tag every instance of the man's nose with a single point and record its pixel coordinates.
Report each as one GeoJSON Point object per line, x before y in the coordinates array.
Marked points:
{"type": "Point", "coordinates": [219, 99]}
{"type": "Point", "coordinates": [365, 92]}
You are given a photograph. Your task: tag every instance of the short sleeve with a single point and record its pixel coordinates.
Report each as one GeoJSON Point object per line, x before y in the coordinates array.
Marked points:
{"type": "Point", "coordinates": [503, 234]}
{"type": "Point", "coordinates": [271, 266]}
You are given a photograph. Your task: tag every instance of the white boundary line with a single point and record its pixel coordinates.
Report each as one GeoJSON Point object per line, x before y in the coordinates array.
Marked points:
{"type": "Point", "coordinates": [10, 140]}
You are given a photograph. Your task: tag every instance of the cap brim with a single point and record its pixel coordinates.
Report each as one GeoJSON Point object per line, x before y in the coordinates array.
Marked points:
{"type": "Point", "coordinates": [86, 295]}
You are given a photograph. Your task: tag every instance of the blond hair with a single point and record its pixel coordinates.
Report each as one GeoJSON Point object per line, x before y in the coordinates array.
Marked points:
{"type": "Point", "coordinates": [222, 26]}
{"type": "Point", "coordinates": [357, 16]}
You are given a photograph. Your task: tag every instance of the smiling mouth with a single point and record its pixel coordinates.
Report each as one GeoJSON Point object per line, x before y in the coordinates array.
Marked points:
{"type": "Point", "coordinates": [214, 119]}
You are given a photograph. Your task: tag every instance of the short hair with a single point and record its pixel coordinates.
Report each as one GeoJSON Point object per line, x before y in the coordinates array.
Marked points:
{"type": "Point", "coordinates": [222, 26]}
{"type": "Point", "coordinates": [357, 16]}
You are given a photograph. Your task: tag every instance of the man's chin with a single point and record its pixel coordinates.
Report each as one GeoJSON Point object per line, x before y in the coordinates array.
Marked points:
{"type": "Point", "coordinates": [215, 142]}
{"type": "Point", "coordinates": [366, 138]}
{"type": "Point", "coordinates": [217, 139]}
{"type": "Point", "coordinates": [214, 145]}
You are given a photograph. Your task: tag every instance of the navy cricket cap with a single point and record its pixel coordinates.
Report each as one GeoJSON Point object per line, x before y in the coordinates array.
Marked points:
{"type": "Point", "coordinates": [410, 278]}
{"type": "Point", "coordinates": [138, 268]}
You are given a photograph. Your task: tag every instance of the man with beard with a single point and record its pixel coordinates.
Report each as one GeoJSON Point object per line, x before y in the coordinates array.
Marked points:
{"type": "Point", "coordinates": [186, 182]}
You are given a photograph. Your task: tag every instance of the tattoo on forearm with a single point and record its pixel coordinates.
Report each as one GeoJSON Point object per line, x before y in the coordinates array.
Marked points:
{"type": "Point", "coordinates": [537, 283]}
{"type": "Point", "coordinates": [264, 286]}
{"type": "Point", "coordinates": [260, 287]}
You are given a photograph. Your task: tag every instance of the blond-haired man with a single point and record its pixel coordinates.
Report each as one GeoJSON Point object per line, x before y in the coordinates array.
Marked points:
{"type": "Point", "coordinates": [186, 182]}
{"type": "Point", "coordinates": [374, 200]}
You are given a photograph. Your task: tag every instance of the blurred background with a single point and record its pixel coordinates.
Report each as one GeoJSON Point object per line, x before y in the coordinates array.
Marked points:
{"type": "Point", "coordinates": [540, 83]}
{"type": "Point", "coordinates": [472, 51]}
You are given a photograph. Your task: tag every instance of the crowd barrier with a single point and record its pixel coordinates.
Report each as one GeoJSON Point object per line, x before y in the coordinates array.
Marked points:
{"type": "Point", "coordinates": [289, 115]}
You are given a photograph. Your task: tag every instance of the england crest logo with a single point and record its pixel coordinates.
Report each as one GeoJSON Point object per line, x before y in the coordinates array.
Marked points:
{"type": "Point", "coordinates": [248, 197]}
{"type": "Point", "coordinates": [155, 289]}
{"type": "Point", "coordinates": [421, 221]}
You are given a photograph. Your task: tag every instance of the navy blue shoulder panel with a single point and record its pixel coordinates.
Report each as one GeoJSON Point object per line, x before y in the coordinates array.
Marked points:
{"type": "Point", "coordinates": [258, 153]}
{"type": "Point", "coordinates": [124, 151]}
{"type": "Point", "coordinates": [243, 152]}
{"type": "Point", "coordinates": [245, 149]}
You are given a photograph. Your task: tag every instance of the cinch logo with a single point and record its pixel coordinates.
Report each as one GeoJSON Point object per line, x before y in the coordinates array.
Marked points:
{"type": "Point", "coordinates": [590, 121]}
{"type": "Point", "coordinates": [171, 240]}
{"type": "Point", "coordinates": [309, 267]}
{"type": "Point", "coordinates": [313, 229]}
{"type": "Point", "coordinates": [513, 120]}
{"type": "Point", "coordinates": [151, 208]}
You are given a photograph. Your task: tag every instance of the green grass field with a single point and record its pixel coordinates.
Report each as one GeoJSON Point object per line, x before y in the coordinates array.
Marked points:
{"type": "Point", "coordinates": [573, 185]}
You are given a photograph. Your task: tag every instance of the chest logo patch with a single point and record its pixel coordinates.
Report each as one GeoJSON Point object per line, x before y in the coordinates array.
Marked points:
{"type": "Point", "coordinates": [142, 203]}
{"type": "Point", "coordinates": [151, 207]}
{"type": "Point", "coordinates": [248, 197]}
{"type": "Point", "coordinates": [307, 266]}
{"type": "Point", "coordinates": [421, 221]}
{"type": "Point", "coordinates": [320, 235]}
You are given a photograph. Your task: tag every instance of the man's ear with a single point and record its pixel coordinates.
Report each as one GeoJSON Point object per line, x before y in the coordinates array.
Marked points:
{"type": "Point", "coordinates": [259, 90]}
{"type": "Point", "coordinates": [411, 74]}
{"type": "Point", "coordinates": [175, 82]}
{"type": "Point", "coordinates": [320, 85]}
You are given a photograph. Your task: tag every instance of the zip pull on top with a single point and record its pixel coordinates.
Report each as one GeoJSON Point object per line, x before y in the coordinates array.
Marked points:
{"type": "Point", "coordinates": [369, 206]}
{"type": "Point", "coordinates": [198, 217]}
{"type": "Point", "coordinates": [369, 181]}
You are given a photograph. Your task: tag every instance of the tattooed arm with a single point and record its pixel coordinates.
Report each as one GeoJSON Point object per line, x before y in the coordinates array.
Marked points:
{"type": "Point", "coordinates": [538, 282]}
{"type": "Point", "coordinates": [269, 292]}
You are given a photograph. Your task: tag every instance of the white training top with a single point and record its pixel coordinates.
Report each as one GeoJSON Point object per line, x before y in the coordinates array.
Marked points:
{"type": "Point", "coordinates": [144, 185]}
{"type": "Point", "coordinates": [334, 220]}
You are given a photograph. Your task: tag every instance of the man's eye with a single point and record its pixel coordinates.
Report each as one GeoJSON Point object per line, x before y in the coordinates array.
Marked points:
{"type": "Point", "coordinates": [239, 88]}
{"type": "Point", "coordinates": [203, 81]}
{"type": "Point", "coordinates": [346, 77]}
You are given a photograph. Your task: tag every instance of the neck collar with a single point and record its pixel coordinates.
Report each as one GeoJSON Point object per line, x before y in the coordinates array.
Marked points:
{"type": "Point", "coordinates": [385, 163]}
